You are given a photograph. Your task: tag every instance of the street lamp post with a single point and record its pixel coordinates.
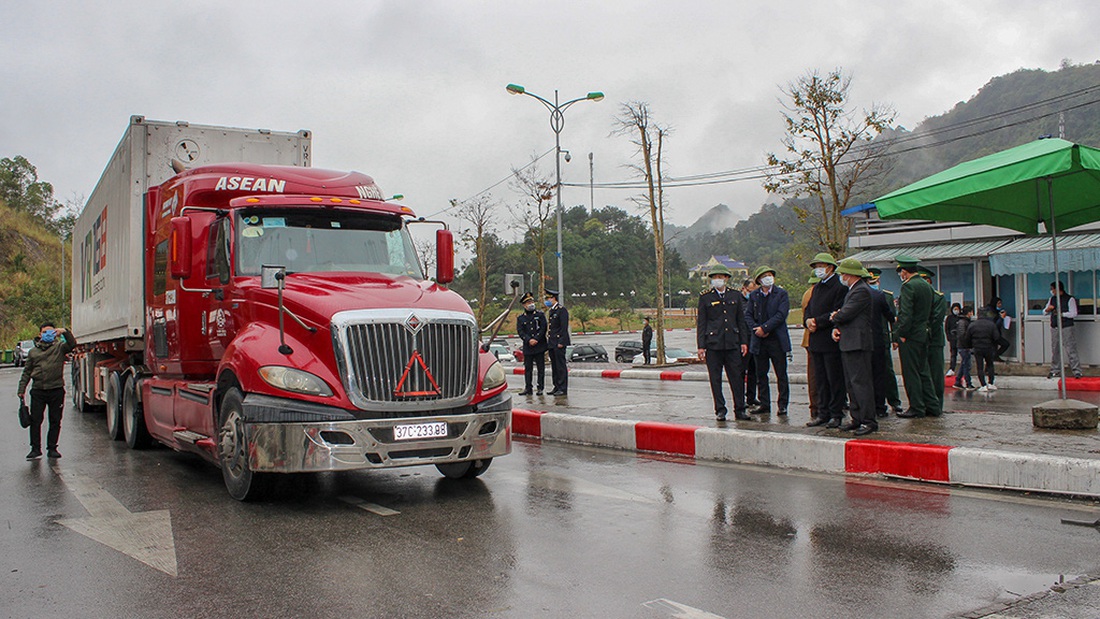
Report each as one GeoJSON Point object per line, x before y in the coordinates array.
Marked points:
{"type": "Point", "coordinates": [557, 122]}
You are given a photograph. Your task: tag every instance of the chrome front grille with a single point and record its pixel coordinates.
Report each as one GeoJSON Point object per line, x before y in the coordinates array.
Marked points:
{"type": "Point", "coordinates": [406, 359]}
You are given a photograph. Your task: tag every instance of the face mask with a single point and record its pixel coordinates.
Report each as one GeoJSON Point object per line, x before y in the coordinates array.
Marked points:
{"type": "Point", "coordinates": [767, 281]}
{"type": "Point", "coordinates": [548, 303]}
{"type": "Point", "coordinates": [875, 286]}
{"type": "Point", "coordinates": [529, 307]}
{"type": "Point", "coordinates": [718, 282]}
{"type": "Point", "coordinates": [745, 293]}
{"type": "Point", "coordinates": [955, 312]}
{"type": "Point", "coordinates": [49, 336]}
{"type": "Point", "coordinates": [819, 272]}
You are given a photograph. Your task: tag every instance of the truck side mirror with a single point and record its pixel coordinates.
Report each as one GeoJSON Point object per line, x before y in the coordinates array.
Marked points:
{"type": "Point", "coordinates": [445, 256]}
{"type": "Point", "coordinates": [180, 248]}
{"type": "Point", "coordinates": [269, 276]}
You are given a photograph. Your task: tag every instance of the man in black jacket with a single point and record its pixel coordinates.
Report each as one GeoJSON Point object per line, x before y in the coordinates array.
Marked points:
{"type": "Point", "coordinates": [884, 316]}
{"type": "Point", "coordinates": [827, 297]}
{"type": "Point", "coordinates": [45, 367]}
{"type": "Point", "coordinates": [984, 334]}
{"type": "Point", "coordinates": [854, 331]}
{"type": "Point", "coordinates": [531, 330]}
{"type": "Point", "coordinates": [557, 338]}
{"type": "Point", "coordinates": [647, 340]}
{"type": "Point", "coordinates": [723, 338]}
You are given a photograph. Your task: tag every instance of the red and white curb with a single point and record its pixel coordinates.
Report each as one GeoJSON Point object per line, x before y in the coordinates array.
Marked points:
{"type": "Point", "coordinates": [932, 463]}
{"type": "Point", "coordinates": [1031, 383]}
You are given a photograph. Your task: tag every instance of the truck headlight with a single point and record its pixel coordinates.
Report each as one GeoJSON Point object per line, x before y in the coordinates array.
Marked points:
{"type": "Point", "coordinates": [494, 377]}
{"type": "Point", "coordinates": [290, 379]}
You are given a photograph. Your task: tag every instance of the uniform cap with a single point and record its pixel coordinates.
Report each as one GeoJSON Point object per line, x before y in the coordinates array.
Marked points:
{"type": "Point", "coordinates": [719, 269]}
{"type": "Point", "coordinates": [874, 271]}
{"type": "Point", "coordinates": [551, 293]}
{"type": "Point", "coordinates": [824, 257]}
{"type": "Point", "coordinates": [761, 271]}
{"type": "Point", "coordinates": [908, 263]}
{"type": "Point", "coordinates": [851, 266]}
{"type": "Point", "coordinates": [527, 296]}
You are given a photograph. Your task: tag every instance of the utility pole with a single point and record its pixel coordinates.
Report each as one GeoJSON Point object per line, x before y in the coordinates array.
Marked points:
{"type": "Point", "coordinates": [591, 183]}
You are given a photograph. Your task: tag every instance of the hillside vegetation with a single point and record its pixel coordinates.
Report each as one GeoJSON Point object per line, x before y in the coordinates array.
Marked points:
{"type": "Point", "coordinates": [30, 277]}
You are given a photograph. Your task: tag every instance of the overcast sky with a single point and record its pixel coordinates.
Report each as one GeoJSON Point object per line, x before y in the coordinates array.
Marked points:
{"type": "Point", "coordinates": [412, 93]}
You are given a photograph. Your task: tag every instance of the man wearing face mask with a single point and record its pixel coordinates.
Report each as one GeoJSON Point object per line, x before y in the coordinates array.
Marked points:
{"type": "Point", "coordinates": [827, 297]}
{"type": "Point", "coordinates": [723, 338]}
{"type": "Point", "coordinates": [766, 317]}
{"type": "Point", "coordinates": [531, 330]}
{"type": "Point", "coordinates": [45, 367]}
{"type": "Point", "coordinates": [855, 333]}
{"type": "Point", "coordinates": [886, 383]}
{"type": "Point", "coordinates": [557, 338]}
{"type": "Point", "coordinates": [748, 361]}
{"type": "Point", "coordinates": [910, 339]}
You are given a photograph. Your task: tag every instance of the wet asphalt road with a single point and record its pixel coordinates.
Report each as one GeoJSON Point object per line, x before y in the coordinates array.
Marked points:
{"type": "Point", "coordinates": [550, 530]}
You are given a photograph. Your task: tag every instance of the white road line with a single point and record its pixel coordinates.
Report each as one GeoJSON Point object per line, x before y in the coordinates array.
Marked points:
{"type": "Point", "coordinates": [678, 610]}
{"type": "Point", "coordinates": [370, 507]}
{"type": "Point", "coordinates": [145, 536]}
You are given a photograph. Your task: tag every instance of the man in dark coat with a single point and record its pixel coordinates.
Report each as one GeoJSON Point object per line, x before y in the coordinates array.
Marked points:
{"type": "Point", "coordinates": [910, 338]}
{"type": "Point", "coordinates": [827, 297]}
{"type": "Point", "coordinates": [557, 338]}
{"type": "Point", "coordinates": [884, 316]}
{"type": "Point", "coordinates": [647, 340]}
{"type": "Point", "coordinates": [748, 360]}
{"type": "Point", "coordinates": [531, 330]}
{"type": "Point", "coordinates": [854, 331]}
{"type": "Point", "coordinates": [44, 369]}
{"type": "Point", "coordinates": [723, 338]}
{"type": "Point", "coordinates": [936, 340]}
{"type": "Point", "coordinates": [766, 317]}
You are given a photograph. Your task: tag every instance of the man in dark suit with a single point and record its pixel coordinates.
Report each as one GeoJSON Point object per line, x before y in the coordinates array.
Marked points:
{"type": "Point", "coordinates": [647, 340]}
{"type": "Point", "coordinates": [854, 330]}
{"type": "Point", "coordinates": [766, 317]}
{"type": "Point", "coordinates": [884, 316]}
{"type": "Point", "coordinates": [827, 297]}
{"type": "Point", "coordinates": [723, 338]}
{"type": "Point", "coordinates": [557, 338]}
{"type": "Point", "coordinates": [531, 329]}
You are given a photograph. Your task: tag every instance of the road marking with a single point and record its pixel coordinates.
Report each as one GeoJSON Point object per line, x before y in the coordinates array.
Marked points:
{"type": "Point", "coordinates": [678, 610]}
{"type": "Point", "coordinates": [370, 507]}
{"type": "Point", "coordinates": [145, 536]}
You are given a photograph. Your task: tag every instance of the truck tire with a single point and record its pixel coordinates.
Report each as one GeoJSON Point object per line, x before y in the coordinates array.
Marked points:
{"type": "Point", "coordinates": [133, 417]}
{"type": "Point", "coordinates": [241, 482]}
{"type": "Point", "coordinates": [464, 470]}
{"type": "Point", "coordinates": [114, 406]}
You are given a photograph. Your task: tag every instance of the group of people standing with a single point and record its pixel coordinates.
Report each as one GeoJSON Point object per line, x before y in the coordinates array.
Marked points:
{"type": "Point", "coordinates": [541, 335]}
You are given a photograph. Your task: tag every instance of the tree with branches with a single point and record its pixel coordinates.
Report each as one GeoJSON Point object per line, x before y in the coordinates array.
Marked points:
{"type": "Point", "coordinates": [533, 211]}
{"type": "Point", "coordinates": [830, 152]}
{"type": "Point", "coordinates": [479, 213]}
{"type": "Point", "coordinates": [635, 120]}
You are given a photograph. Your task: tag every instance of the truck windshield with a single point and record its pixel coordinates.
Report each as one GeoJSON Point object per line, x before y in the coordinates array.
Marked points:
{"type": "Point", "coordinates": [307, 241]}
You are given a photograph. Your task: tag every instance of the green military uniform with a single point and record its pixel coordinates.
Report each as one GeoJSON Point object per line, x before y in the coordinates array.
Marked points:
{"type": "Point", "coordinates": [935, 349]}
{"type": "Point", "coordinates": [911, 335]}
{"type": "Point", "coordinates": [893, 397]}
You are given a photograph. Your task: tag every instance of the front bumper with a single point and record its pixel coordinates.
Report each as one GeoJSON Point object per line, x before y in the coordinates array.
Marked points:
{"type": "Point", "coordinates": [301, 446]}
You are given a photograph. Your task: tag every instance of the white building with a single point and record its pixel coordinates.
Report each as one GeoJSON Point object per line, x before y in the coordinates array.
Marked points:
{"type": "Point", "coordinates": [975, 263]}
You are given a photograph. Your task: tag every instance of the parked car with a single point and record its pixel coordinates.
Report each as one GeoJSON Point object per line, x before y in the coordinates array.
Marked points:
{"type": "Point", "coordinates": [21, 350]}
{"type": "Point", "coordinates": [627, 349]}
{"type": "Point", "coordinates": [672, 355]}
{"type": "Point", "coordinates": [588, 352]}
{"type": "Point", "coordinates": [501, 352]}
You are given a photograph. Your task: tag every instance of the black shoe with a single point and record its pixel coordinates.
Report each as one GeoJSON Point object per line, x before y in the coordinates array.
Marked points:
{"type": "Point", "coordinates": [817, 421]}
{"type": "Point", "coordinates": [1077, 375]}
{"type": "Point", "coordinates": [935, 414]}
{"type": "Point", "coordinates": [881, 414]}
{"type": "Point", "coordinates": [760, 409]}
{"type": "Point", "coordinates": [741, 416]}
{"type": "Point", "coordinates": [35, 454]}
{"type": "Point", "coordinates": [910, 414]}
{"type": "Point", "coordinates": [833, 423]}
{"type": "Point", "coordinates": [53, 454]}
{"type": "Point", "coordinates": [720, 415]}
{"type": "Point", "coordinates": [896, 409]}
{"type": "Point", "coordinates": [752, 403]}
{"type": "Point", "coordinates": [539, 392]}
{"type": "Point", "coordinates": [865, 429]}
{"type": "Point", "coordinates": [782, 412]}
{"type": "Point", "coordinates": [554, 392]}
{"type": "Point", "coordinates": [524, 392]}
{"type": "Point", "coordinates": [851, 426]}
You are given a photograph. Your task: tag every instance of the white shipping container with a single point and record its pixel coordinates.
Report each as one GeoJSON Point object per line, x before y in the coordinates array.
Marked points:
{"type": "Point", "coordinates": [108, 237]}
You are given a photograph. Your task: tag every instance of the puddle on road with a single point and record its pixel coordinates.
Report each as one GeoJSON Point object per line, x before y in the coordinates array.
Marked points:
{"type": "Point", "coordinates": [1014, 584]}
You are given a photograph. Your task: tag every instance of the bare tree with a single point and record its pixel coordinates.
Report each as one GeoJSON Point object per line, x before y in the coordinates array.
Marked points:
{"type": "Point", "coordinates": [831, 149]}
{"type": "Point", "coordinates": [479, 213]}
{"type": "Point", "coordinates": [635, 121]}
{"type": "Point", "coordinates": [425, 252]}
{"type": "Point", "coordinates": [533, 211]}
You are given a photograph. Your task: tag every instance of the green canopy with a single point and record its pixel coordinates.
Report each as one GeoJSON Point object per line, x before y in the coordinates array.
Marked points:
{"type": "Point", "coordinates": [1002, 189]}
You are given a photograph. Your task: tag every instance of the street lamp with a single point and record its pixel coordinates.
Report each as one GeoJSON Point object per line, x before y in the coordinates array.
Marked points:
{"type": "Point", "coordinates": [557, 122]}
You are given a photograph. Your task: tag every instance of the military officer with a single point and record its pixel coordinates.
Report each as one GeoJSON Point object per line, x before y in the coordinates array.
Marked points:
{"type": "Point", "coordinates": [557, 338]}
{"type": "Point", "coordinates": [723, 339]}
{"type": "Point", "coordinates": [893, 396]}
{"type": "Point", "coordinates": [936, 342]}
{"type": "Point", "coordinates": [531, 329]}
{"type": "Point", "coordinates": [883, 370]}
{"type": "Point", "coordinates": [910, 338]}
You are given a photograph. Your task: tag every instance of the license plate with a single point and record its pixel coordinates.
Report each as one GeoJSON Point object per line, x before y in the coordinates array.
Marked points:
{"type": "Point", "coordinates": [413, 431]}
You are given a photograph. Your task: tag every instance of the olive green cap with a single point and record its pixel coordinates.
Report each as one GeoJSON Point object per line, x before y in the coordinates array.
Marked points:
{"type": "Point", "coordinates": [824, 257]}
{"type": "Point", "coordinates": [908, 263]}
{"type": "Point", "coordinates": [851, 266]}
{"type": "Point", "coordinates": [875, 271]}
{"type": "Point", "coordinates": [719, 269]}
{"type": "Point", "coordinates": [761, 271]}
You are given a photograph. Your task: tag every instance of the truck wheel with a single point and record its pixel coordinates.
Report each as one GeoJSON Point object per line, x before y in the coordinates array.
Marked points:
{"type": "Point", "coordinates": [114, 406]}
{"type": "Point", "coordinates": [464, 470]}
{"type": "Point", "coordinates": [133, 417]}
{"type": "Point", "coordinates": [240, 481]}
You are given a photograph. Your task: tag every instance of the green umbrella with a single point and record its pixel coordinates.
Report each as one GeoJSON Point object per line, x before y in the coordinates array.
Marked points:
{"type": "Point", "coordinates": [1051, 181]}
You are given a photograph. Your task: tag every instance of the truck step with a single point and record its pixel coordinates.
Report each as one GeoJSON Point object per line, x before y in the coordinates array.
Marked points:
{"type": "Point", "coordinates": [187, 436]}
{"type": "Point", "coordinates": [200, 387]}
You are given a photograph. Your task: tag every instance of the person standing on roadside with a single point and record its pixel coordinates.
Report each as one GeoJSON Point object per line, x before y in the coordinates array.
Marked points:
{"type": "Point", "coordinates": [44, 368]}
{"type": "Point", "coordinates": [827, 297]}
{"type": "Point", "coordinates": [557, 338]}
{"type": "Point", "coordinates": [723, 339]}
{"type": "Point", "coordinates": [647, 340]}
{"type": "Point", "coordinates": [811, 380]}
{"type": "Point", "coordinates": [952, 341]}
{"type": "Point", "coordinates": [854, 331]}
{"type": "Point", "coordinates": [1067, 305]}
{"type": "Point", "coordinates": [985, 333]}
{"type": "Point", "coordinates": [884, 316]}
{"type": "Point", "coordinates": [748, 361]}
{"type": "Point", "coordinates": [766, 317]}
{"type": "Point", "coordinates": [910, 338]}
{"type": "Point", "coordinates": [962, 335]}
{"type": "Point", "coordinates": [936, 319]}
{"type": "Point", "coordinates": [531, 330]}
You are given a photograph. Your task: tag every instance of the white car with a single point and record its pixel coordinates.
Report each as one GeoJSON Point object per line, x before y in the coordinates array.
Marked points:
{"type": "Point", "coordinates": [672, 355]}
{"type": "Point", "coordinates": [501, 352]}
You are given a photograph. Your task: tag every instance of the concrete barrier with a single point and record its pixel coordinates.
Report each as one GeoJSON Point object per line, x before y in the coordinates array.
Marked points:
{"type": "Point", "coordinates": [1024, 471]}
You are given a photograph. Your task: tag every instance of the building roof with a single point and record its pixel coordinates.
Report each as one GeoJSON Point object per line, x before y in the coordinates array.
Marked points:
{"type": "Point", "coordinates": [940, 251]}
{"type": "Point", "coordinates": [1032, 254]}
{"type": "Point", "coordinates": [724, 260]}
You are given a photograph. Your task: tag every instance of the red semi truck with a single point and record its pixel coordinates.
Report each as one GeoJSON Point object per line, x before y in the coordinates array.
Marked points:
{"type": "Point", "coordinates": [272, 317]}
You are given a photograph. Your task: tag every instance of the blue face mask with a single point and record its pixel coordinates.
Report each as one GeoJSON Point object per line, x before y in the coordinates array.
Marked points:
{"type": "Point", "coordinates": [548, 303]}
{"type": "Point", "coordinates": [48, 336]}
{"type": "Point", "coordinates": [875, 286]}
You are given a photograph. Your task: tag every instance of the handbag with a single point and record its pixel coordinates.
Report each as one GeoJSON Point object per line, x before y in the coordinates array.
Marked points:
{"type": "Point", "coordinates": [24, 414]}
